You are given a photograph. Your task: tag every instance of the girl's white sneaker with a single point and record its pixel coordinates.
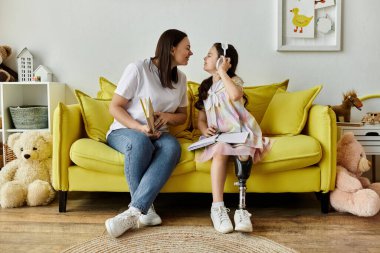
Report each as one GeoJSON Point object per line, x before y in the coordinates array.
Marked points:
{"type": "Point", "coordinates": [221, 220]}
{"type": "Point", "coordinates": [242, 220]}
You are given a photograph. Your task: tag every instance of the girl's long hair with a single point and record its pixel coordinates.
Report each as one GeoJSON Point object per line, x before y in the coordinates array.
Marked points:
{"type": "Point", "coordinates": [166, 42]}
{"type": "Point", "coordinates": [207, 83]}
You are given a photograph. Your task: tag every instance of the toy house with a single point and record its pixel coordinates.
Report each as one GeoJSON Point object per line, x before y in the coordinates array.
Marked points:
{"type": "Point", "coordinates": [25, 65]}
{"type": "Point", "coordinates": [43, 74]}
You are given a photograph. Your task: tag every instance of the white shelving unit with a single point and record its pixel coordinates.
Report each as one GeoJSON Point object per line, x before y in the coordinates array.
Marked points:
{"type": "Point", "coordinates": [28, 93]}
{"type": "Point", "coordinates": [369, 137]}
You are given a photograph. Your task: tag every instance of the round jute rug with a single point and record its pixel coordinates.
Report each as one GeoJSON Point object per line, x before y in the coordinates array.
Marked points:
{"type": "Point", "coordinates": [184, 239]}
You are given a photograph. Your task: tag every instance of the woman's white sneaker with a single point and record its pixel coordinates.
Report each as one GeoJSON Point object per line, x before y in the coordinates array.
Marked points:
{"type": "Point", "coordinates": [151, 218]}
{"type": "Point", "coordinates": [117, 225]}
{"type": "Point", "coordinates": [220, 219]}
{"type": "Point", "coordinates": [242, 220]}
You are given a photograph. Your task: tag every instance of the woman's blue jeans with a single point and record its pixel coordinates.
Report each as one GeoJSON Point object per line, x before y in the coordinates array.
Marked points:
{"type": "Point", "coordinates": [148, 163]}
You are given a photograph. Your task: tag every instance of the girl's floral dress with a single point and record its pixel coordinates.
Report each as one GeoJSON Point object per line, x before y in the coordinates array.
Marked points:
{"type": "Point", "coordinates": [232, 116]}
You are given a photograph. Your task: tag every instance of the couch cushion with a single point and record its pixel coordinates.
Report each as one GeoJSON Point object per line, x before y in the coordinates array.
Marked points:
{"type": "Point", "coordinates": [96, 116]}
{"type": "Point", "coordinates": [288, 111]}
{"type": "Point", "coordinates": [258, 99]}
{"type": "Point", "coordinates": [98, 156]}
{"type": "Point", "coordinates": [107, 88]}
{"type": "Point", "coordinates": [287, 153]}
{"type": "Point", "coordinates": [177, 130]}
{"type": "Point", "coordinates": [193, 88]}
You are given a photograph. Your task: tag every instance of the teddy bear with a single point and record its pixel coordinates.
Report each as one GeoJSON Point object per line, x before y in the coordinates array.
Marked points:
{"type": "Point", "coordinates": [6, 73]}
{"type": "Point", "coordinates": [353, 193]}
{"type": "Point", "coordinates": [27, 179]}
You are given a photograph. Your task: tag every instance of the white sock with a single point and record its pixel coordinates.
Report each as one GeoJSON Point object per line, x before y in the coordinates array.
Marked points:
{"type": "Point", "coordinates": [217, 204]}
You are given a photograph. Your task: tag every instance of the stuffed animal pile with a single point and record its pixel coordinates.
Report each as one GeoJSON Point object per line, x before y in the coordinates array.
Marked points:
{"type": "Point", "coordinates": [6, 73]}
{"type": "Point", "coordinates": [27, 180]}
{"type": "Point", "coordinates": [354, 194]}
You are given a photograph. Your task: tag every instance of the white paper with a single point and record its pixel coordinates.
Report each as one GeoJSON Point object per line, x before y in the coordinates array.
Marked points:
{"type": "Point", "coordinates": [232, 138]}
{"type": "Point", "coordinates": [324, 4]}
{"type": "Point", "coordinates": [203, 143]}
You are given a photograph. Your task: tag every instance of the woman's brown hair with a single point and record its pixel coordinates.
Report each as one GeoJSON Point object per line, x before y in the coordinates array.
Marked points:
{"type": "Point", "coordinates": [165, 44]}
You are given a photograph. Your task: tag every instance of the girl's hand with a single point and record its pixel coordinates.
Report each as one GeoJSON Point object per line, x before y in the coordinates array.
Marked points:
{"type": "Point", "coordinates": [161, 118]}
{"type": "Point", "coordinates": [210, 131]}
{"type": "Point", "coordinates": [225, 65]}
{"type": "Point", "coordinates": [146, 130]}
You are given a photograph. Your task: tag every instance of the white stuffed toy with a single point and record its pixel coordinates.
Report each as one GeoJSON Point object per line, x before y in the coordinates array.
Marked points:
{"type": "Point", "coordinates": [27, 180]}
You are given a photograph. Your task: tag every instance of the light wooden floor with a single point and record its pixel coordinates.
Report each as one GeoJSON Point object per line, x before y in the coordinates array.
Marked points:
{"type": "Point", "coordinates": [293, 220]}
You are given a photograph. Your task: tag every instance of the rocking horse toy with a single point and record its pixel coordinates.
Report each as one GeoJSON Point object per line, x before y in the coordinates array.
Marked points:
{"type": "Point", "coordinates": [350, 99]}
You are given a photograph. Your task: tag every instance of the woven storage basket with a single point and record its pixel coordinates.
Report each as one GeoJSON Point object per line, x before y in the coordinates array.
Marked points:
{"type": "Point", "coordinates": [29, 116]}
{"type": "Point", "coordinates": [9, 155]}
{"type": "Point", "coordinates": [1, 155]}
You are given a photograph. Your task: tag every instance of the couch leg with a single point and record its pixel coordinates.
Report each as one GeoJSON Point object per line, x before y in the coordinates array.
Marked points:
{"type": "Point", "coordinates": [62, 195]}
{"type": "Point", "coordinates": [325, 202]}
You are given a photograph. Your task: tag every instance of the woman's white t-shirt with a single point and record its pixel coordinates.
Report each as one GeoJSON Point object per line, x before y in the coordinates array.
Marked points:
{"type": "Point", "coordinates": [141, 80]}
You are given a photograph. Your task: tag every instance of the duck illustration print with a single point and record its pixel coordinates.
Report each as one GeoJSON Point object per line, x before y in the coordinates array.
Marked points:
{"type": "Point", "coordinates": [300, 18]}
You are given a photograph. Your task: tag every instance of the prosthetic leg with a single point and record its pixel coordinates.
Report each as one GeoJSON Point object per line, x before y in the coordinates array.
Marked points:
{"type": "Point", "coordinates": [242, 172]}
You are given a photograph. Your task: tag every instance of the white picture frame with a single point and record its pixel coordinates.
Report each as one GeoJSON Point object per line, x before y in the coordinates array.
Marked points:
{"type": "Point", "coordinates": [322, 41]}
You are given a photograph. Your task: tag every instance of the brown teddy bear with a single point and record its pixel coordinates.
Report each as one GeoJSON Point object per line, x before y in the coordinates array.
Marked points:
{"type": "Point", "coordinates": [6, 73]}
{"type": "Point", "coordinates": [353, 193]}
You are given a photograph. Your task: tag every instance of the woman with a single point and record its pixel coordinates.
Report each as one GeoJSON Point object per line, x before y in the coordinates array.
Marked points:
{"type": "Point", "coordinates": [150, 154]}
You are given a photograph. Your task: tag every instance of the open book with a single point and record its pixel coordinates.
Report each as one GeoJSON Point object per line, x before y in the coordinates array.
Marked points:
{"type": "Point", "coordinates": [232, 138]}
{"type": "Point", "coordinates": [147, 107]}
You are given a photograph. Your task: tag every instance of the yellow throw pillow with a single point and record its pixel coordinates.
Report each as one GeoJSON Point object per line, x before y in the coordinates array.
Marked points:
{"type": "Point", "coordinates": [107, 88]}
{"type": "Point", "coordinates": [259, 97]}
{"type": "Point", "coordinates": [178, 130]}
{"type": "Point", "coordinates": [193, 88]}
{"type": "Point", "coordinates": [288, 111]}
{"type": "Point", "coordinates": [96, 116]}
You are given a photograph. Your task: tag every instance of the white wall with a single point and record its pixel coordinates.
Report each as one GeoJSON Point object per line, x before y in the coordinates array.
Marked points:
{"type": "Point", "coordinates": [80, 40]}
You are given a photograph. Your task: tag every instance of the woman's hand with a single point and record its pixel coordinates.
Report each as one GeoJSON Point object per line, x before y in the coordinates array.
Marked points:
{"type": "Point", "coordinates": [160, 119]}
{"type": "Point", "coordinates": [146, 130]}
{"type": "Point", "coordinates": [210, 131]}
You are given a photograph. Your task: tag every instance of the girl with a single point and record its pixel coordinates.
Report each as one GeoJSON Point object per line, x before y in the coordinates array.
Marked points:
{"type": "Point", "coordinates": [221, 109]}
{"type": "Point", "coordinates": [150, 155]}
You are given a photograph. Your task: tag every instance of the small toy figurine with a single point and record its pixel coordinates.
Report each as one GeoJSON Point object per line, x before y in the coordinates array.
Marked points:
{"type": "Point", "coordinates": [350, 99]}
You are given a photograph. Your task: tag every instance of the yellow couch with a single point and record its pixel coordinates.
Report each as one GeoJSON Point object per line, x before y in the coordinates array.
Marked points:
{"type": "Point", "coordinates": [302, 161]}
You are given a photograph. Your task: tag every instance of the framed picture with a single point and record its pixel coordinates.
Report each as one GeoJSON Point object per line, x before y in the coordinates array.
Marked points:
{"type": "Point", "coordinates": [309, 25]}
